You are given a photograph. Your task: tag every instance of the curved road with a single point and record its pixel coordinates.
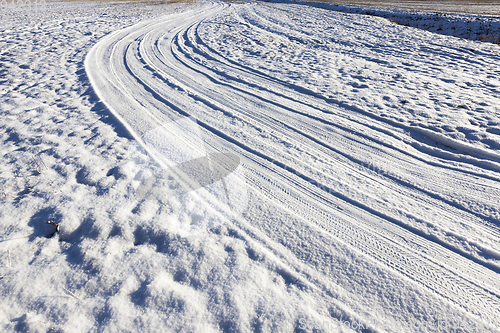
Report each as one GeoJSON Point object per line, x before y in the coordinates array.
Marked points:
{"type": "Point", "coordinates": [338, 176]}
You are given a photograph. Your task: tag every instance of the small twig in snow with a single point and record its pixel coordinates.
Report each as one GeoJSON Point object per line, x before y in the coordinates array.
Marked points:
{"type": "Point", "coordinates": [54, 224]}
{"type": "Point", "coordinates": [6, 315]}
{"type": "Point", "coordinates": [40, 157]}
{"type": "Point", "coordinates": [38, 167]}
{"type": "Point", "coordinates": [69, 292]}
{"type": "Point", "coordinates": [35, 165]}
{"type": "Point", "coordinates": [8, 257]}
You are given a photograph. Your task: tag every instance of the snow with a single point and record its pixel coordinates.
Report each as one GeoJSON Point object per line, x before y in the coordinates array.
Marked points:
{"type": "Point", "coordinates": [465, 19]}
{"type": "Point", "coordinates": [247, 167]}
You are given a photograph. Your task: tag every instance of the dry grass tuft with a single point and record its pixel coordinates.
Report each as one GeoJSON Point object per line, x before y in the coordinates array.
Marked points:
{"type": "Point", "coordinates": [490, 38]}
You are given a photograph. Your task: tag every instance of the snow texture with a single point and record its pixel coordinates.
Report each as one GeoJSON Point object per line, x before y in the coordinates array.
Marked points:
{"type": "Point", "coordinates": [247, 167]}
{"type": "Point", "coordinates": [448, 20]}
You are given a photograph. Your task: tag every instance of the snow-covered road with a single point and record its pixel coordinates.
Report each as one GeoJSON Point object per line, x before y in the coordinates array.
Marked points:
{"type": "Point", "coordinates": [246, 167]}
{"type": "Point", "coordinates": [257, 80]}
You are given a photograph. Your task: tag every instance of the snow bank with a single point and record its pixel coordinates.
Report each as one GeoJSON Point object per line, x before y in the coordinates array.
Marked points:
{"type": "Point", "coordinates": [485, 28]}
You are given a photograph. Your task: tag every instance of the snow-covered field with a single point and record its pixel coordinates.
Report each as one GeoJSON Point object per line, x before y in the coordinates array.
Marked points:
{"type": "Point", "coordinates": [484, 7]}
{"type": "Point", "coordinates": [245, 167]}
{"type": "Point", "coordinates": [475, 20]}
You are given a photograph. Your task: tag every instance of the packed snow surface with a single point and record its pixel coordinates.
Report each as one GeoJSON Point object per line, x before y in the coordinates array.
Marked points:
{"type": "Point", "coordinates": [253, 167]}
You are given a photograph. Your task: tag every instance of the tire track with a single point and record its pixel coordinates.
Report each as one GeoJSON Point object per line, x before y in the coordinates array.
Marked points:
{"type": "Point", "coordinates": [282, 123]}
{"type": "Point", "coordinates": [421, 142]}
{"type": "Point", "coordinates": [131, 72]}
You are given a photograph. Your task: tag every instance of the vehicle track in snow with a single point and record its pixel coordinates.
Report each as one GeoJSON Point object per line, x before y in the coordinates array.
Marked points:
{"type": "Point", "coordinates": [349, 174]}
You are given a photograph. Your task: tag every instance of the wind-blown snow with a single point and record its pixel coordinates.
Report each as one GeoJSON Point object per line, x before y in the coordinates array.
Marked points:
{"type": "Point", "coordinates": [249, 167]}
